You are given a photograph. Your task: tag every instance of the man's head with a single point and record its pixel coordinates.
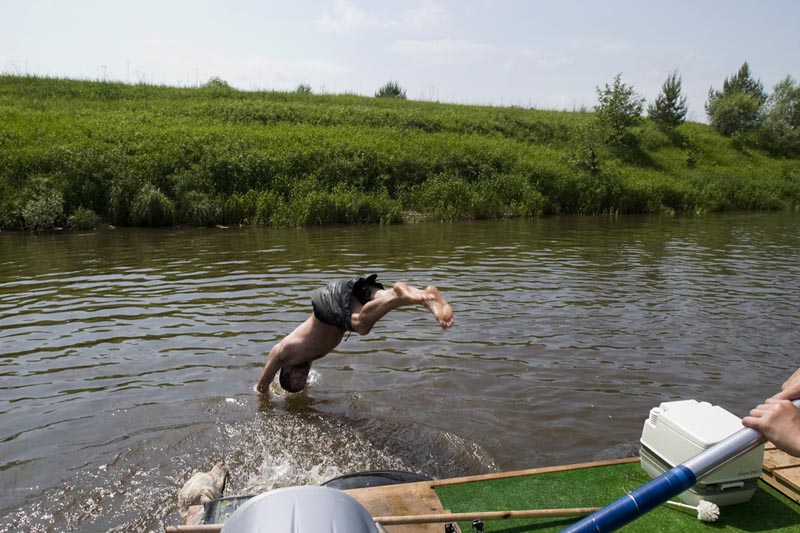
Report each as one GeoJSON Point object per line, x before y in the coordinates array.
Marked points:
{"type": "Point", "coordinates": [293, 377]}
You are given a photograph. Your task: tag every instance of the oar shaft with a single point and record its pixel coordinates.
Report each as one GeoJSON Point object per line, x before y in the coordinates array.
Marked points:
{"type": "Point", "coordinates": [487, 515]}
{"type": "Point", "coordinates": [725, 451]}
{"type": "Point", "coordinates": [204, 528]}
{"type": "Point", "coordinates": [436, 518]}
{"type": "Point", "coordinates": [431, 518]}
{"type": "Point", "coordinates": [636, 503]}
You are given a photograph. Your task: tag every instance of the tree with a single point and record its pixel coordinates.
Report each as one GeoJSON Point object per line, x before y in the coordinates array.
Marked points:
{"type": "Point", "coordinates": [734, 113]}
{"type": "Point", "coordinates": [669, 109]}
{"type": "Point", "coordinates": [619, 108]}
{"type": "Point", "coordinates": [217, 83]}
{"type": "Point", "coordinates": [737, 108]}
{"type": "Point", "coordinates": [781, 127]}
{"type": "Point", "coordinates": [391, 89]}
{"type": "Point", "coordinates": [742, 82]}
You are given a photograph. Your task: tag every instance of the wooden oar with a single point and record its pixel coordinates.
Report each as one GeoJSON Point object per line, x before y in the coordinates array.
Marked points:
{"type": "Point", "coordinates": [488, 515]}
{"type": "Point", "coordinates": [430, 518]}
{"type": "Point", "coordinates": [203, 528]}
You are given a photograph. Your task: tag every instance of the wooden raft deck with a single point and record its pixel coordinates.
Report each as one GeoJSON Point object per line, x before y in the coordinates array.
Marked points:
{"type": "Point", "coordinates": [406, 499]}
{"type": "Point", "coordinates": [420, 498]}
{"type": "Point", "coordinates": [782, 471]}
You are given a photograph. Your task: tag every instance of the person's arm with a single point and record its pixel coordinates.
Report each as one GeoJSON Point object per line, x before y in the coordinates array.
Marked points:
{"type": "Point", "coordinates": [779, 421]}
{"type": "Point", "coordinates": [273, 364]}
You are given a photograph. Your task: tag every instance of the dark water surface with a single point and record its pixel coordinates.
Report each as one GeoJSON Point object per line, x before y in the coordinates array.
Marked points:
{"type": "Point", "coordinates": [128, 357]}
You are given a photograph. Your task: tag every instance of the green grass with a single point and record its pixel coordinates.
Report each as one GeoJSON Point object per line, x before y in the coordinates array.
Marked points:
{"type": "Point", "coordinates": [768, 510]}
{"type": "Point", "coordinates": [150, 155]}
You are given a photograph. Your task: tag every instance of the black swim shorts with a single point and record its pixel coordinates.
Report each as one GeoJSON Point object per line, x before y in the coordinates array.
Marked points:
{"type": "Point", "coordinates": [331, 303]}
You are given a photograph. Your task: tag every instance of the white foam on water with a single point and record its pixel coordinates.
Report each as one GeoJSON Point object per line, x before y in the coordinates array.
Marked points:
{"type": "Point", "coordinates": [291, 450]}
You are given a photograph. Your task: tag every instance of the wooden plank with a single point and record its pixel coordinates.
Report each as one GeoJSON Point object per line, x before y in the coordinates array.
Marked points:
{"type": "Point", "coordinates": [782, 472]}
{"type": "Point", "coordinates": [790, 477]}
{"type": "Point", "coordinates": [781, 487]}
{"type": "Point", "coordinates": [775, 459]}
{"type": "Point", "coordinates": [404, 499]}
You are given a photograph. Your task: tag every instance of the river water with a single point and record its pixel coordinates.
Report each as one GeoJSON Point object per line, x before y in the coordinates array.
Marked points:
{"type": "Point", "coordinates": [128, 357]}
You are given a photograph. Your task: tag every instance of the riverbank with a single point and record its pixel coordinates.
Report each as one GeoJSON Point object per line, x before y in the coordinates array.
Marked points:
{"type": "Point", "coordinates": [75, 152]}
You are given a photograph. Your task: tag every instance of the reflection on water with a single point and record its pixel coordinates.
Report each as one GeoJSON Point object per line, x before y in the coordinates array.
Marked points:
{"type": "Point", "coordinates": [128, 357]}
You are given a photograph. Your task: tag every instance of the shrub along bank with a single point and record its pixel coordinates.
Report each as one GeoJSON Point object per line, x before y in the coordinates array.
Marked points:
{"type": "Point", "coordinates": [154, 156]}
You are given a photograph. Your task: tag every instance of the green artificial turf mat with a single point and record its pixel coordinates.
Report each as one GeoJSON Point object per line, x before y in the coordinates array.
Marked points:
{"type": "Point", "coordinates": [767, 511]}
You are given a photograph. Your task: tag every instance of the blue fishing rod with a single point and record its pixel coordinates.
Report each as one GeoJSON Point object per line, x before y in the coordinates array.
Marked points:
{"type": "Point", "coordinates": [669, 484]}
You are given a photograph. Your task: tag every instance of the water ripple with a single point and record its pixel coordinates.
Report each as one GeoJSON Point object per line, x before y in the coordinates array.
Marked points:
{"type": "Point", "coordinates": [119, 351]}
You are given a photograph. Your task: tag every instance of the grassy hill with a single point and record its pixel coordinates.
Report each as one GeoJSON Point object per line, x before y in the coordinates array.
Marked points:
{"type": "Point", "coordinates": [149, 155]}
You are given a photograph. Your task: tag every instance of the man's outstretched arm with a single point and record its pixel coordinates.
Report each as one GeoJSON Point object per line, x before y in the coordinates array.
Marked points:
{"type": "Point", "coordinates": [271, 367]}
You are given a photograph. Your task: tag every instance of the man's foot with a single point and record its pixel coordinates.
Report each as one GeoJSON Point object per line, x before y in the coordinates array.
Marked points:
{"type": "Point", "coordinates": [439, 307]}
{"type": "Point", "coordinates": [430, 297]}
{"type": "Point", "coordinates": [409, 295]}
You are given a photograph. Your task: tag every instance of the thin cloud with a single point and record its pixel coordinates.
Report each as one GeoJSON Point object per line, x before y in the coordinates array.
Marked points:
{"type": "Point", "coordinates": [263, 71]}
{"type": "Point", "coordinates": [545, 60]}
{"type": "Point", "coordinates": [323, 67]}
{"type": "Point", "coordinates": [473, 51]}
{"type": "Point", "coordinates": [441, 47]}
{"type": "Point", "coordinates": [426, 16]}
{"type": "Point", "coordinates": [244, 72]}
{"type": "Point", "coordinates": [602, 47]}
{"type": "Point", "coordinates": [346, 16]}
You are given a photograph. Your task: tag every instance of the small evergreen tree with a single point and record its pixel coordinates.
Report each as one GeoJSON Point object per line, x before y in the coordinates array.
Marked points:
{"type": "Point", "coordinates": [669, 109]}
{"type": "Point", "coordinates": [742, 82]}
{"type": "Point", "coordinates": [391, 89]}
{"type": "Point", "coordinates": [737, 108]}
{"type": "Point", "coordinates": [619, 108]}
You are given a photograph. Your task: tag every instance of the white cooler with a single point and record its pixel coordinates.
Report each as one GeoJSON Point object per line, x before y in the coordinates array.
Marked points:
{"type": "Point", "coordinates": [677, 431]}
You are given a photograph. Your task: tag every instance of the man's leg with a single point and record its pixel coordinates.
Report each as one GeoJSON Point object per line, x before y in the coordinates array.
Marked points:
{"type": "Point", "coordinates": [400, 295]}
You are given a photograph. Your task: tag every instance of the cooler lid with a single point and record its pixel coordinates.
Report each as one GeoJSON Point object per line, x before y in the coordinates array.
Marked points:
{"type": "Point", "coordinates": [702, 423]}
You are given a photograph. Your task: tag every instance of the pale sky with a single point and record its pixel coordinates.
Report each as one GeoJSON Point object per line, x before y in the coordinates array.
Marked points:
{"type": "Point", "coordinates": [548, 55]}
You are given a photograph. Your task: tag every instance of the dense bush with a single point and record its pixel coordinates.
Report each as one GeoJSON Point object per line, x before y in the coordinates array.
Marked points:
{"type": "Point", "coordinates": [619, 108]}
{"type": "Point", "coordinates": [737, 107]}
{"type": "Point", "coordinates": [342, 205]}
{"type": "Point", "coordinates": [199, 209]}
{"type": "Point", "coordinates": [391, 89]}
{"type": "Point", "coordinates": [781, 128]}
{"type": "Point", "coordinates": [83, 219]}
{"type": "Point", "coordinates": [449, 197]}
{"type": "Point", "coordinates": [157, 156]}
{"type": "Point", "coordinates": [151, 207]}
{"type": "Point", "coordinates": [44, 212]}
{"type": "Point", "coordinates": [734, 113]}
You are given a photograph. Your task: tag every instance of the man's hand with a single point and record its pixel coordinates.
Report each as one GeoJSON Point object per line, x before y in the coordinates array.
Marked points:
{"type": "Point", "coordinates": [790, 390]}
{"type": "Point", "coordinates": [779, 421]}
